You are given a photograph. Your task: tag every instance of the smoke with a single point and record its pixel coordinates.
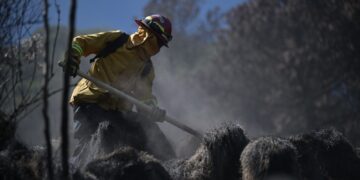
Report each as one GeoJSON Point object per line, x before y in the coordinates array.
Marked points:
{"type": "Point", "coordinates": [183, 97]}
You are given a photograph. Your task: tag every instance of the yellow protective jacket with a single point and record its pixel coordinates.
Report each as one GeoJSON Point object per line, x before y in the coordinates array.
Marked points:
{"type": "Point", "coordinates": [129, 69]}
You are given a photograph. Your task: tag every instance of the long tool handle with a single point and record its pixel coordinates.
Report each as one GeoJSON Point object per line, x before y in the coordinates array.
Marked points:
{"type": "Point", "coordinates": [138, 103]}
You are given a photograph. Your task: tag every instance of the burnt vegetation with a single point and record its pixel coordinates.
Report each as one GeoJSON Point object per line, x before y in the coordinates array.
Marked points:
{"type": "Point", "coordinates": [279, 67]}
{"type": "Point", "coordinates": [224, 153]}
{"type": "Point", "coordinates": [216, 158]}
{"type": "Point", "coordinates": [326, 154]}
{"type": "Point", "coordinates": [269, 157]}
{"type": "Point", "coordinates": [125, 163]}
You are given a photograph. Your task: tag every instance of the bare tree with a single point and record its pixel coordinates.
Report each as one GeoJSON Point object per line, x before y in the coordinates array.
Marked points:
{"type": "Point", "coordinates": [46, 93]}
{"type": "Point", "coordinates": [66, 85]}
{"type": "Point", "coordinates": [291, 65]}
{"type": "Point", "coordinates": [25, 66]}
{"type": "Point", "coordinates": [21, 51]}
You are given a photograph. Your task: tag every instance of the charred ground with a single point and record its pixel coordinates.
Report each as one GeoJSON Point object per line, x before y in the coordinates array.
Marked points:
{"type": "Point", "coordinates": [224, 153]}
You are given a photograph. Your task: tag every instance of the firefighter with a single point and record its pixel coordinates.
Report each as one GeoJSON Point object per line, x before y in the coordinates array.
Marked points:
{"type": "Point", "coordinates": [128, 68]}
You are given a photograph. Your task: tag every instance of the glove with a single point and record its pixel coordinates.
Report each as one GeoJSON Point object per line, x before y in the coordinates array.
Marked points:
{"type": "Point", "coordinates": [74, 62]}
{"type": "Point", "coordinates": [157, 114]}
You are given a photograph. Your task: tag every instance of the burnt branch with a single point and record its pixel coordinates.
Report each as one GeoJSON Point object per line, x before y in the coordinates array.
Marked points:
{"type": "Point", "coordinates": [45, 109]}
{"type": "Point", "coordinates": [66, 85]}
{"type": "Point", "coordinates": [58, 12]}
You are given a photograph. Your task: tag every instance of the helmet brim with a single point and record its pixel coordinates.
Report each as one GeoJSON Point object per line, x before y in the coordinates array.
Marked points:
{"type": "Point", "coordinates": [142, 24]}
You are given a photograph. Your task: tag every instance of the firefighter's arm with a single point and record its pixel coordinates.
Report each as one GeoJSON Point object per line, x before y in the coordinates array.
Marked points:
{"type": "Point", "coordinates": [143, 89]}
{"type": "Point", "coordinates": [143, 92]}
{"type": "Point", "coordinates": [85, 45]}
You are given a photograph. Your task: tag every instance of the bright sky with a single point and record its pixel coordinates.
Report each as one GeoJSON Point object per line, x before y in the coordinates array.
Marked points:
{"type": "Point", "coordinates": [114, 14]}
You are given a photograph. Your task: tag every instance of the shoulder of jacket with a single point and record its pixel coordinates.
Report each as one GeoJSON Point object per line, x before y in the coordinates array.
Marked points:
{"type": "Point", "coordinates": [115, 34]}
{"type": "Point", "coordinates": [101, 34]}
{"type": "Point", "coordinates": [109, 33]}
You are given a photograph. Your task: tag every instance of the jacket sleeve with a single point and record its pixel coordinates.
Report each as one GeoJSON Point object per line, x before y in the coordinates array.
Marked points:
{"type": "Point", "coordinates": [143, 89]}
{"type": "Point", "coordinates": [88, 44]}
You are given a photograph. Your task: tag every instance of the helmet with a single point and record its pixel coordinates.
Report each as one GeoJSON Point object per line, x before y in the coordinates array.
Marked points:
{"type": "Point", "coordinates": [159, 25]}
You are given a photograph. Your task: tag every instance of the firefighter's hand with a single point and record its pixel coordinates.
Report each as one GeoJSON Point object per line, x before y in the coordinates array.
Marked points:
{"type": "Point", "coordinates": [73, 66]}
{"type": "Point", "coordinates": [157, 114]}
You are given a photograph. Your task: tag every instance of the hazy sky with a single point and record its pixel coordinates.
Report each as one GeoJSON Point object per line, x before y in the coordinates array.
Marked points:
{"type": "Point", "coordinates": [115, 14]}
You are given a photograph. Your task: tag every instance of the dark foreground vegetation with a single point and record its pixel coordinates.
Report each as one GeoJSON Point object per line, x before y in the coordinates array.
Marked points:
{"type": "Point", "coordinates": [224, 153]}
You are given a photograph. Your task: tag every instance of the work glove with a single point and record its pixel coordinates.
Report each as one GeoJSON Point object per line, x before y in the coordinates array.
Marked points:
{"type": "Point", "coordinates": [74, 62]}
{"type": "Point", "coordinates": [157, 114]}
